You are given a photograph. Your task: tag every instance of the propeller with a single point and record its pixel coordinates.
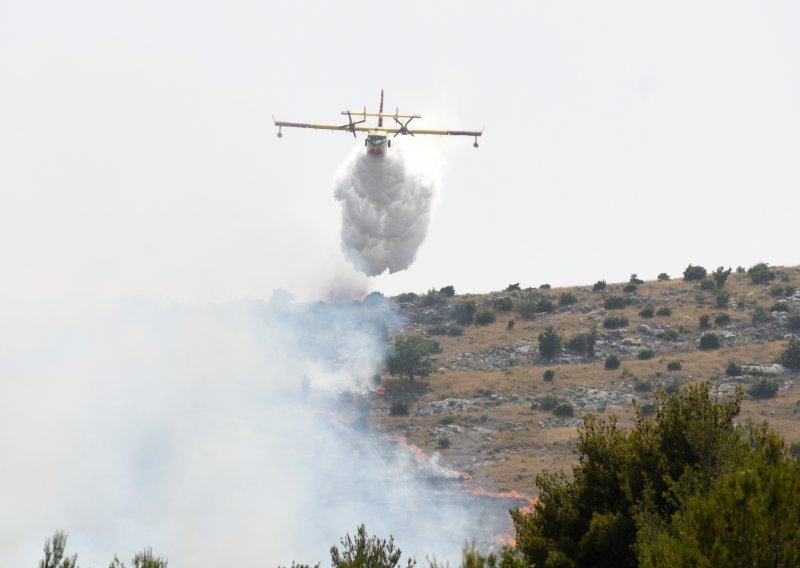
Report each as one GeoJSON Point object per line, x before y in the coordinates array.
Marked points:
{"type": "Point", "coordinates": [403, 127]}
{"type": "Point", "coordinates": [351, 126]}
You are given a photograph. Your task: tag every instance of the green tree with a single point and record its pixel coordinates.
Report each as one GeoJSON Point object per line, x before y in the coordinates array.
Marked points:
{"type": "Point", "coordinates": [411, 356]}
{"type": "Point", "coordinates": [550, 343]}
{"type": "Point", "coordinates": [464, 312]}
{"type": "Point", "coordinates": [55, 553]}
{"type": "Point", "coordinates": [694, 273]}
{"type": "Point", "coordinates": [760, 273]}
{"type": "Point", "coordinates": [720, 277]}
{"type": "Point", "coordinates": [143, 559]}
{"type": "Point", "coordinates": [790, 357]}
{"type": "Point", "coordinates": [361, 551]}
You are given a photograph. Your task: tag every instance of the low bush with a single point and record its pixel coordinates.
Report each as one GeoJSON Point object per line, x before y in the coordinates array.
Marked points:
{"type": "Point", "coordinates": [722, 298]}
{"type": "Point", "coordinates": [464, 312]}
{"type": "Point", "coordinates": [777, 291]}
{"type": "Point", "coordinates": [645, 354]}
{"type": "Point", "coordinates": [567, 299]}
{"type": "Point", "coordinates": [780, 307]}
{"type": "Point", "coordinates": [648, 311]}
{"type": "Point", "coordinates": [563, 409]}
{"type": "Point", "coordinates": [545, 287]}
{"type": "Point", "coordinates": [674, 366]}
{"type": "Point", "coordinates": [648, 408]}
{"type": "Point", "coordinates": [790, 357]}
{"type": "Point", "coordinates": [513, 287]}
{"type": "Point", "coordinates": [547, 401]}
{"type": "Point", "coordinates": [485, 316]}
{"type": "Point", "coordinates": [664, 311]}
{"type": "Point", "coordinates": [405, 297]}
{"type": "Point", "coordinates": [612, 362]}
{"type": "Point", "coordinates": [549, 375]}
{"type": "Point", "coordinates": [399, 408]}
{"type": "Point", "coordinates": [448, 420]}
{"type": "Point", "coordinates": [503, 304]}
{"type": "Point", "coordinates": [583, 343]}
{"type": "Point", "coordinates": [720, 276]}
{"type": "Point", "coordinates": [672, 387]}
{"type": "Point", "coordinates": [763, 388]}
{"type": "Point", "coordinates": [545, 305]}
{"type": "Point", "coordinates": [526, 309]}
{"type": "Point", "coordinates": [635, 279]}
{"type": "Point", "coordinates": [760, 315]}
{"type": "Point", "coordinates": [616, 303]}
{"type": "Point", "coordinates": [669, 335]}
{"type": "Point", "coordinates": [694, 273]}
{"type": "Point", "coordinates": [443, 442]}
{"type": "Point", "coordinates": [760, 273]}
{"type": "Point", "coordinates": [550, 343]}
{"type": "Point", "coordinates": [630, 287]}
{"type": "Point", "coordinates": [707, 283]}
{"type": "Point", "coordinates": [733, 370]}
{"type": "Point", "coordinates": [455, 330]}
{"type": "Point", "coordinates": [642, 385]}
{"type": "Point", "coordinates": [447, 291]}
{"type": "Point", "coordinates": [793, 321]}
{"type": "Point", "coordinates": [710, 341]}
{"type": "Point", "coordinates": [722, 319]}
{"type": "Point", "coordinates": [432, 298]}
{"type": "Point", "coordinates": [705, 321]}
{"type": "Point", "coordinates": [663, 276]}
{"type": "Point", "coordinates": [510, 325]}
{"type": "Point", "coordinates": [599, 286]}
{"type": "Point", "coordinates": [615, 322]}
{"type": "Point", "coordinates": [439, 329]}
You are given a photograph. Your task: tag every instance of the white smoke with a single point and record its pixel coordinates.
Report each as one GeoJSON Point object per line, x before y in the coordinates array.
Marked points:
{"type": "Point", "coordinates": [220, 435]}
{"type": "Point", "coordinates": [386, 208]}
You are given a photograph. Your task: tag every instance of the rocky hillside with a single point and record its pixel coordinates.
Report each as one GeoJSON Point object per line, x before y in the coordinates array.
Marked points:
{"type": "Point", "coordinates": [499, 409]}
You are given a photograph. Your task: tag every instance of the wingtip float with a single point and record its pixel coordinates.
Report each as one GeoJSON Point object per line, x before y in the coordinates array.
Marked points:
{"type": "Point", "coordinates": [377, 140]}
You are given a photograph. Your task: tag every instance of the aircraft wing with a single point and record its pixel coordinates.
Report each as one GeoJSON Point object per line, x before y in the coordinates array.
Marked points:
{"type": "Point", "coordinates": [319, 126]}
{"type": "Point", "coordinates": [430, 131]}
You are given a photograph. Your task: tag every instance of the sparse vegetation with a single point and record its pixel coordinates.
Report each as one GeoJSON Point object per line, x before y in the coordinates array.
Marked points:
{"type": "Point", "coordinates": [550, 343]}
{"type": "Point", "coordinates": [545, 305]}
{"type": "Point", "coordinates": [630, 288]}
{"type": "Point", "coordinates": [663, 276]}
{"type": "Point", "coordinates": [615, 322]}
{"type": "Point", "coordinates": [563, 409]}
{"type": "Point", "coordinates": [447, 291]}
{"type": "Point", "coordinates": [583, 343]}
{"type": "Point", "coordinates": [547, 401]}
{"type": "Point", "coordinates": [545, 287]}
{"type": "Point", "coordinates": [733, 370]}
{"type": "Point", "coordinates": [793, 321]}
{"type": "Point", "coordinates": [513, 287]}
{"type": "Point", "coordinates": [599, 286]}
{"type": "Point", "coordinates": [648, 311]}
{"type": "Point", "coordinates": [722, 319]}
{"type": "Point", "coordinates": [760, 315]}
{"type": "Point", "coordinates": [707, 283]}
{"type": "Point", "coordinates": [616, 303]}
{"type": "Point", "coordinates": [664, 311]}
{"type": "Point", "coordinates": [549, 375]}
{"type": "Point", "coordinates": [761, 273]}
{"type": "Point", "coordinates": [694, 273]}
{"type": "Point", "coordinates": [612, 362]}
{"type": "Point", "coordinates": [464, 312]}
{"type": "Point", "coordinates": [720, 276]}
{"type": "Point", "coordinates": [567, 299]}
{"type": "Point", "coordinates": [674, 366]}
{"type": "Point", "coordinates": [705, 321]}
{"type": "Point", "coordinates": [710, 341]}
{"type": "Point", "coordinates": [781, 306]}
{"type": "Point", "coordinates": [645, 354]}
{"type": "Point", "coordinates": [790, 357]}
{"type": "Point", "coordinates": [634, 279]}
{"type": "Point", "coordinates": [485, 316]}
{"type": "Point", "coordinates": [504, 304]}
{"type": "Point", "coordinates": [763, 388]}
{"type": "Point", "coordinates": [722, 298]}
{"type": "Point", "coordinates": [398, 408]}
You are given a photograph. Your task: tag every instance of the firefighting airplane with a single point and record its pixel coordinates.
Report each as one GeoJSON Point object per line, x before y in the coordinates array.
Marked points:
{"type": "Point", "coordinates": [378, 139]}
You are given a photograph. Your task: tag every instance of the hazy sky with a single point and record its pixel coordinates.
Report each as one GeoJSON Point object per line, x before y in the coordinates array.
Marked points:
{"type": "Point", "coordinates": [138, 155]}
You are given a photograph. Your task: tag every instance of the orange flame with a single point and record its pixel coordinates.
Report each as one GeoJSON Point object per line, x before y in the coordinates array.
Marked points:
{"type": "Point", "coordinates": [380, 390]}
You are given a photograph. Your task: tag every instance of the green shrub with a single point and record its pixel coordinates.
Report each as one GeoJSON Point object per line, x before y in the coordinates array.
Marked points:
{"type": "Point", "coordinates": [789, 290]}
{"type": "Point", "coordinates": [448, 420]}
{"type": "Point", "coordinates": [615, 322]}
{"type": "Point", "coordinates": [674, 366]}
{"type": "Point", "coordinates": [439, 329]}
{"type": "Point", "coordinates": [549, 343]}
{"type": "Point", "coordinates": [642, 385]}
{"type": "Point", "coordinates": [549, 375]}
{"type": "Point", "coordinates": [705, 321]}
{"type": "Point", "coordinates": [793, 321]}
{"type": "Point", "coordinates": [648, 311]}
{"type": "Point", "coordinates": [740, 302]}
{"type": "Point", "coordinates": [599, 286]}
{"type": "Point", "coordinates": [777, 291]}
{"type": "Point", "coordinates": [740, 270]}
{"type": "Point", "coordinates": [635, 279]}
{"type": "Point", "coordinates": [694, 273]}
{"type": "Point", "coordinates": [443, 442]}
{"type": "Point", "coordinates": [672, 387]}
{"type": "Point", "coordinates": [612, 362]}
{"type": "Point", "coordinates": [763, 388]}
{"type": "Point", "coordinates": [669, 335]}
{"type": "Point", "coordinates": [722, 298]}
{"type": "Point", "coordinates": [790, 358]}
{"type": "Point", "coordinates": [645, 354]}
{"type": "Point", "coordinates": [447, 291]}
{"type": "Point", "coordinates": [720, 276]}
{"type": "Point", "coordinates": [630, 287]}
{"type": "Point", "coordinates": [455, 330]}
{"type": "Point", "coordinates": [567, 299]}
{"type": "Point", "coordinates": [485, 316]}
{"type": "Point", "coordinates": [760, 273]}
{"type": "Point", "coordinates": [547, 401]}
{"type": "Point", "coordinates": [545, 287]}
{"type": "Point", "coordinates": [513, 287]}
{"type": "Point", "coordinates": [722, 319]}
{"type": "Point", "coordinates": [432, 298]}
{"type": "Point", "coordinates": [760, 315]}
{"type": "Point", "coordinates": [510, 325]}
{"type": "Point", "coordinates": [616, 303]}
{"type": "Point", "coordinates": [526, 309]}
{"type": "Point", "coordinates": [503, 304]}
{"type": "Point", "coordinates": [399, 408]}
{"type": "Point", "coordinates": [733, 370]}
{"type": "Point", "coordinates": [663, 276]}
{"type": "Point", "coordinates": [545, 305]}
{"type": "Point", "coordinates": [648, 408]}
{"type": "Point", "coordinates": [710, 341]}
{"type": "Point", "coordinates": [664, 311]}
{"type": "Point", "coordinates": [563, 409]}
{"type": "Point", "coordinates": [780, 307]}
{"type": "Point", "coordinates": [464, 312]}
{"type": "Point", "coordinates": [707, 283]}
{"type": "Point", "coordinates": [583, 343]}
{"type": "Point", "coordinates": [405, 297]}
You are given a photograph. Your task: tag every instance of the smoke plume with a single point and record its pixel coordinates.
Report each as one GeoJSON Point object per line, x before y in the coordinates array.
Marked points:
{"type": "Point", "coordinates": [385, 211]}
{"type": "Point", "coordinates": [221, 435]}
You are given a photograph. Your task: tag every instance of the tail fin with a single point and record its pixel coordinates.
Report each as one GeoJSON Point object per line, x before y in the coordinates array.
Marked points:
{"type": "Point", "coordinates": [380, 112]}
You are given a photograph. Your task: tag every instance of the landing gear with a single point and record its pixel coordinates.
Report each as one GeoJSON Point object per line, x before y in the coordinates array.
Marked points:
{"type": "Point", "coordinates": [389, 143]}
{"type": "Point", "coordinates": [475, 144]}
{"type": "Point", "coordinates": [280, 134]}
